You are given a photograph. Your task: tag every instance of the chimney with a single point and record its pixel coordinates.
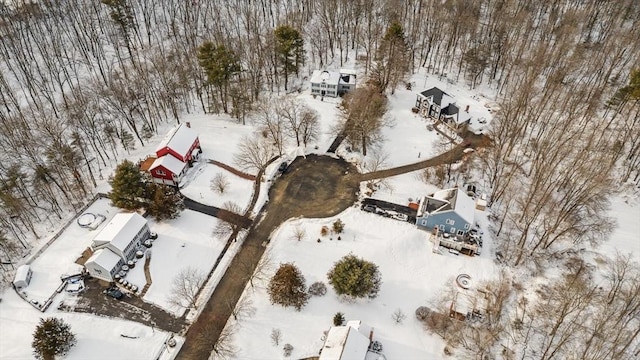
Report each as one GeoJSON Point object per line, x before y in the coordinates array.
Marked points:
{"type": "Point", "coordinates": [189, 123]}
{"type": "Point", "coordinates": [467, 109]}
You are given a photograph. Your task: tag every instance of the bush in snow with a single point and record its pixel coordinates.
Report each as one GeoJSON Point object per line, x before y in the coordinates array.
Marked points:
{"type": "Point", "coordinates": [324, 231]}
{"type": "Point", "coordinates": [355, 277]}
{"type": "Point", "coordinates": [287, 287]}
{"type": "Point", "coordinates": [318, 288]}
{"type": "Point", "coordinates": [338, 319]}
{"type": "Point", "coordinates": [288, 348]}
{"type": "Point", "coordinates": [398, 316]}
{"type": "Point", "coordinates": [52, 337]}
{"type": "Point", "coordinates": [422, 313]}
{"type": "Point", "coordinates": [338, 226]}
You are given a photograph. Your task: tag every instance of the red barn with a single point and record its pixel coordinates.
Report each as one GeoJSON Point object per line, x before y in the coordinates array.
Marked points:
{"type": "Point", "coordinates": [182, 142]}
{"type": "Point", "coordinates": [175, 154]}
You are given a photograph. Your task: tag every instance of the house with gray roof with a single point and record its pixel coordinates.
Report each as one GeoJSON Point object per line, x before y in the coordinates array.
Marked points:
{"type": "Point", "coordinates": [451, 211]}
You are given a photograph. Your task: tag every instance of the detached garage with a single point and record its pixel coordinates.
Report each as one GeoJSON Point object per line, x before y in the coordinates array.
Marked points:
{"type": "Point", "coordinates": [104, 264]}
{"type": "Point", "coordinates": [23, 277]}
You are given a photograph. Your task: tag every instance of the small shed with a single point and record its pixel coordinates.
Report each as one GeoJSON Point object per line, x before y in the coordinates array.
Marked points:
{"type": "Point", "coordinates": [23, 277]}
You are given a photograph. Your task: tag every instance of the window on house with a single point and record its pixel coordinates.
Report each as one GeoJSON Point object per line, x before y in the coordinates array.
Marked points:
{"type": "Point", "coordinates": [441, 227]}
{"type": "Point", "coordinates": [453, 230]}
{"type": "Point", "coordinates": [467, 226]}
{"type": "Point", "coordinates": [450, 222]}
{"type": "Point", "coordinates": [460, 232]}
{"type": "Point", "coordinates": [160, 172]}
{"type": "Point", "coordinates": [424, 222]}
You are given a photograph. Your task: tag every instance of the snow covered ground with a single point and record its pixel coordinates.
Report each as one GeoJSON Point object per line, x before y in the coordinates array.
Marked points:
{"type": "Point", "coordinates": [97, 337]}
{"type": "Point", "coordinates": [60, 257]}
{"type": "Point", "coordinates": [411, 276]}
{"type": "Point", "coordinates": [187, 241]}
{"type": "Point", "coordinates": [239, 190]}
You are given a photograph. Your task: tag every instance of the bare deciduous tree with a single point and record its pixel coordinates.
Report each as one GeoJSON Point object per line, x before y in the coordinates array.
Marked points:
{"type": "Point", "coordinates": [363, 113]}
{"type": "Point", "coordinates": [243, 309]}
{"type": "Point", "coordinates": [276, 336]}
{"type": "Point", "coordinates": [254, 153]}
{"type": "Point", "coordinates": [219, 183]}
{"type": "Point", "coordinates": [186, 287]}
{"type": "Point", "coordinates": [226, 228]}
{"type": "Point", "coordinates": [299, 233]}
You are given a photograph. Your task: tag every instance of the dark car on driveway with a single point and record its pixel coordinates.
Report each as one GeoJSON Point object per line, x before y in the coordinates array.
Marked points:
{"type": "Point", "coordinates": [114, 293]}
{"type": "Point", "coordinates": [283, 167]}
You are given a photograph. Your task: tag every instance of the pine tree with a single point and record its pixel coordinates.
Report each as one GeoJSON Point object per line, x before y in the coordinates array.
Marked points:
{"type": "Point", "coordinates": [355, 277]}
{"type": "Point", "coordinates": [393, 60]}
{"type": "Point", "coordinates": [128, 186]}
{"type": "Point", "coordinates": [164, 202]}
{"type": "Point", "coordinates": [221, 65]}
{"type": "Point", "coordinates": [338, 319]}
{"type": "Point", "coordinates": [287, 287]}
{"type": "Point", "coordinates": [290, 50]}
{"type": "Point", "coordinates": [52, 337]}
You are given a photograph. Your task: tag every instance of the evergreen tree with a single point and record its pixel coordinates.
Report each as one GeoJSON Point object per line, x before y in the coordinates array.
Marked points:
{"type": "Point", "coordinates": [393, 60]}
{"type": "Point", "coordinates": [128, 186]}
{"type": "Point", "coordinates": [164, 202]}
{"type": "Point", "coordinates": [220, 64]}
{"type": "Point", "coordinates": [355, 277]}
{"type": "Point", "coordinates": [52, 337]}
{"type": "Point", "coordinates": [289, 49]}
{"type": "Point", "coordinates": [287, 287]}
{"type": "Point", "coordinates": [338, 319]}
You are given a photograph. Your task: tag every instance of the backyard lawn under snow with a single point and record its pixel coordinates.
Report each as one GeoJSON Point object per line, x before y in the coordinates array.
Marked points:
{"type": "Point", "coordinates": [411, 275]}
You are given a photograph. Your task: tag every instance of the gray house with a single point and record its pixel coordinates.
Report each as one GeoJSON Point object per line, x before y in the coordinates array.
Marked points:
{"type": "Point", "coordinates": [439, 105]}
{"type": "Point", "coordinates": [449, 210]}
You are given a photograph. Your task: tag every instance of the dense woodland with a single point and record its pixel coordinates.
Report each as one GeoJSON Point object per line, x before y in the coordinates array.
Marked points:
{"type": "Point", "coordinates": [84, 82]}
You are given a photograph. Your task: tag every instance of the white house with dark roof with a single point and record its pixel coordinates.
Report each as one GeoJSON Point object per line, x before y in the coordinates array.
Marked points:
{"type": "Point", "coordinates": [451, 211]}
{"type": "Point", "coordinates": [439, 105]}
{"type": "Point", "coordinates": [116, 244]}
{"type": "Point", "coordinates": [347, 342]}
{"type": "Point", "coordinates": [332, 83]}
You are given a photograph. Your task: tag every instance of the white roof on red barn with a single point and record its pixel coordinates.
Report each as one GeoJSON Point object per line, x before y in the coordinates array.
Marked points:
{"type": "Point", "coordinates": [121, 229]}
{"type": "Point", "coordinates": [179, 139]}
{"type": "Point", "coordinates": [170, 163]}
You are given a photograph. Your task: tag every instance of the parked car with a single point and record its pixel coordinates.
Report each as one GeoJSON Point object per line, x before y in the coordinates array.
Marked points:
{"type": "Point", "coordinates": [283, 167]}
{"type": "Point", "coordinates": [401, 217]}
{"type": "Point", "coordinates": [114, 293]}
{"type": "Point", "coordinates": [369, 208]}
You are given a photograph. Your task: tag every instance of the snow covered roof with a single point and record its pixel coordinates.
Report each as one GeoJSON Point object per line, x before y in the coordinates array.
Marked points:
{"type": "Point", "coordinates": [121, 229]}
{"type": "Point", "coordinates": [22, 274]}
{"type": "Point", "coordinates": [348, 71]}
{"type": "Point", "coordinates": [104, 258]}
{"type": "Point", "coordinates": [345, 343]}
{"type": "Point", "coordinates": [170, 163]}
{"type": "Point", "coordinates": [460, 202]}
{"type": "Point", "coordinates": [179, 139]}
{"type": "Point", "coordinates": [329, 77]}
{"type": "Point", "coordinates": [435, 93]}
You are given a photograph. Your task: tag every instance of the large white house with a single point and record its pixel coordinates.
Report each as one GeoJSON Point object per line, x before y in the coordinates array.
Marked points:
{"type": "Point", "coordinates": [348, 342]}
{"type": "Point", "coordinates": [116, 243]}
{"type": "Point", "coordinates": [332, 83]}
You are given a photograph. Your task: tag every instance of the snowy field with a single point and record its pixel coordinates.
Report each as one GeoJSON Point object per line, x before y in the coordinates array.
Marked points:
{"type": "Point", "coordinates": [411, 276]}
{"type": "Point", "coordinates": [60, 257]}
{"type": "Point", "coordinates": [239, 190]}
{"type": "Point", "coordinates": [182, 242]}
{"type": "Point", "coordinates": [97, 337]}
